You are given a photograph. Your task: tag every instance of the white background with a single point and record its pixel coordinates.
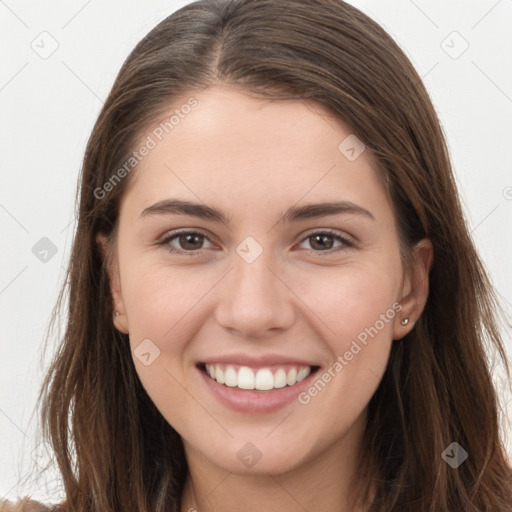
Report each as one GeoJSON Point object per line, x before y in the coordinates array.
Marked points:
{"type": "Point", "coordinates": [48, 107]}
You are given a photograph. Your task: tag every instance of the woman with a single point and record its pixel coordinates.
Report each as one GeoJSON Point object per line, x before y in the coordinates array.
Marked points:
{"type": "Point", "coordinates": [274, 300]}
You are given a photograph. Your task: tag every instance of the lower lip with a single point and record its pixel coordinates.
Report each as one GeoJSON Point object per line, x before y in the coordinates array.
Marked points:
{"type": "Point", "coordinates": [254, 401]}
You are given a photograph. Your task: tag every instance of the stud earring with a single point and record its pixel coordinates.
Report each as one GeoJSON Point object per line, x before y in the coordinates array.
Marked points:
{"type": "Point", "coordinates": [116, 313]}
{"type": "Point", "coordinates": [405, 321]}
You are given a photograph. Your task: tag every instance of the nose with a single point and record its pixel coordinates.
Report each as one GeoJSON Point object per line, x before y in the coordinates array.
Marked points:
{"type": "Point", "coordinates": [255, 299]}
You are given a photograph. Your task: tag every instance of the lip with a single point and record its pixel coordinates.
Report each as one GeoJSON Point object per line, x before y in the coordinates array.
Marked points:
{"type": "Point", "coordinates": [255, 401]}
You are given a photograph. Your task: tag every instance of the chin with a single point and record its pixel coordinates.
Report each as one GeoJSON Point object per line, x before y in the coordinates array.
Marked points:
{"type": "Point", "coordinates": [259, 457]}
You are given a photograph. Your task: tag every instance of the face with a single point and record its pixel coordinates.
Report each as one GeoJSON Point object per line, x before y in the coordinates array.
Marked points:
{"type": "Point", "coordinates": [260, 325]}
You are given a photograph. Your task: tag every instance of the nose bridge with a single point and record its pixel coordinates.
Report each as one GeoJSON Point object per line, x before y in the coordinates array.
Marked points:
{"type": "Point", "coordinates": [253, 277]}
{"type": "Point", "coordinates": [254, 299]}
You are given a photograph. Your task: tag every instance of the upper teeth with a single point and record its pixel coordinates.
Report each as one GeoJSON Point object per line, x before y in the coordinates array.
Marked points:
{"type": "Point", "coordinates": [262, 379]}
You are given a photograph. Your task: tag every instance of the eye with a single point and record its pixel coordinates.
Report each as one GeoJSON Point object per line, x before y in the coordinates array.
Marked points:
{"type": "Point", "coordinates": [191, 242]}
{"type": "Point", "coordinates": [184, 242]}
{"type": "Point", "coordinates": [323, 241]}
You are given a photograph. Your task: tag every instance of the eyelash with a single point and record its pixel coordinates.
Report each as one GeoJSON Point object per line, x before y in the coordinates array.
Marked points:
{"type": "Point", "coordinates": [325, 232]}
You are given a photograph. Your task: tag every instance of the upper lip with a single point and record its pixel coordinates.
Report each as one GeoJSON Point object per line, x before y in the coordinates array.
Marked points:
{"type": "Point", "coordinates": [256, 362]}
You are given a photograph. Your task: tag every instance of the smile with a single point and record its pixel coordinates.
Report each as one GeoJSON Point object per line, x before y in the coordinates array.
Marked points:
{"type": "Point", "coordinates": [255, 385]}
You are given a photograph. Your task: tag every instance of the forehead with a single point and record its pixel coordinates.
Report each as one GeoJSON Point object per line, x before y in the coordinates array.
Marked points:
{"type": "Point", "coordinates": [232, 119]}
{"type": "Point", "coordinates": [234, 145]}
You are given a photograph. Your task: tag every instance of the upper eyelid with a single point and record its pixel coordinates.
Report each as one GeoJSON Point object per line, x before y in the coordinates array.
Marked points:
{"type": "Point", "coordinates": [171, 234]}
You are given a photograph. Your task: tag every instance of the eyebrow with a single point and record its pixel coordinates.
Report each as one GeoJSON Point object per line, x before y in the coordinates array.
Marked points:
{"type": "Point", "coordinates": [295, 213]}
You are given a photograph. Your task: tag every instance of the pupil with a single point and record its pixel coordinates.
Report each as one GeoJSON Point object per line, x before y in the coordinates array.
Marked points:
{"type": "Point", "coordinates": [184, 240]}
{"type": "Point", "coordinates": [316, 238]}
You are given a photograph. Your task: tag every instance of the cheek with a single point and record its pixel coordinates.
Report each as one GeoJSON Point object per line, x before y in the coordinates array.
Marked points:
{"type": "Point", "coordinates": [349, 300]}
{"type": "Point", "coordinates": [357, 310]}
{"type": "Point", "coordinates": [160, 304]}
{"type": "Point", "coordinates": [159, 300]}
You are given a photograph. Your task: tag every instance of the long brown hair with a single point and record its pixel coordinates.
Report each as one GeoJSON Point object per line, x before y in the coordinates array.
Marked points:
{"type": "Point", "coordinates": [114, 449]}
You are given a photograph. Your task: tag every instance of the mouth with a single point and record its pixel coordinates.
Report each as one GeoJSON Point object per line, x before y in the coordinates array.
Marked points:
{"type": "Point", "coordinates": [265, 379]}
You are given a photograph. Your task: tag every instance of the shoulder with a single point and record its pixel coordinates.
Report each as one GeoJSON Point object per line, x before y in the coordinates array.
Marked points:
{"type": "Point", "coordinates": [24, 505]}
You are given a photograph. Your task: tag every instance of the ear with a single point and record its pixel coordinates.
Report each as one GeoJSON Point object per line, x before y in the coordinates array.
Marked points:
{"type": "Point", "coordinates": [415, 288]}
{"type": "Point", "coordinates": [119, 319]}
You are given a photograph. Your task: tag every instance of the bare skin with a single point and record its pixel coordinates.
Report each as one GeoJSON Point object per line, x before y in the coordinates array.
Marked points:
{"type": "Point", "coordinates": [304, 296]}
